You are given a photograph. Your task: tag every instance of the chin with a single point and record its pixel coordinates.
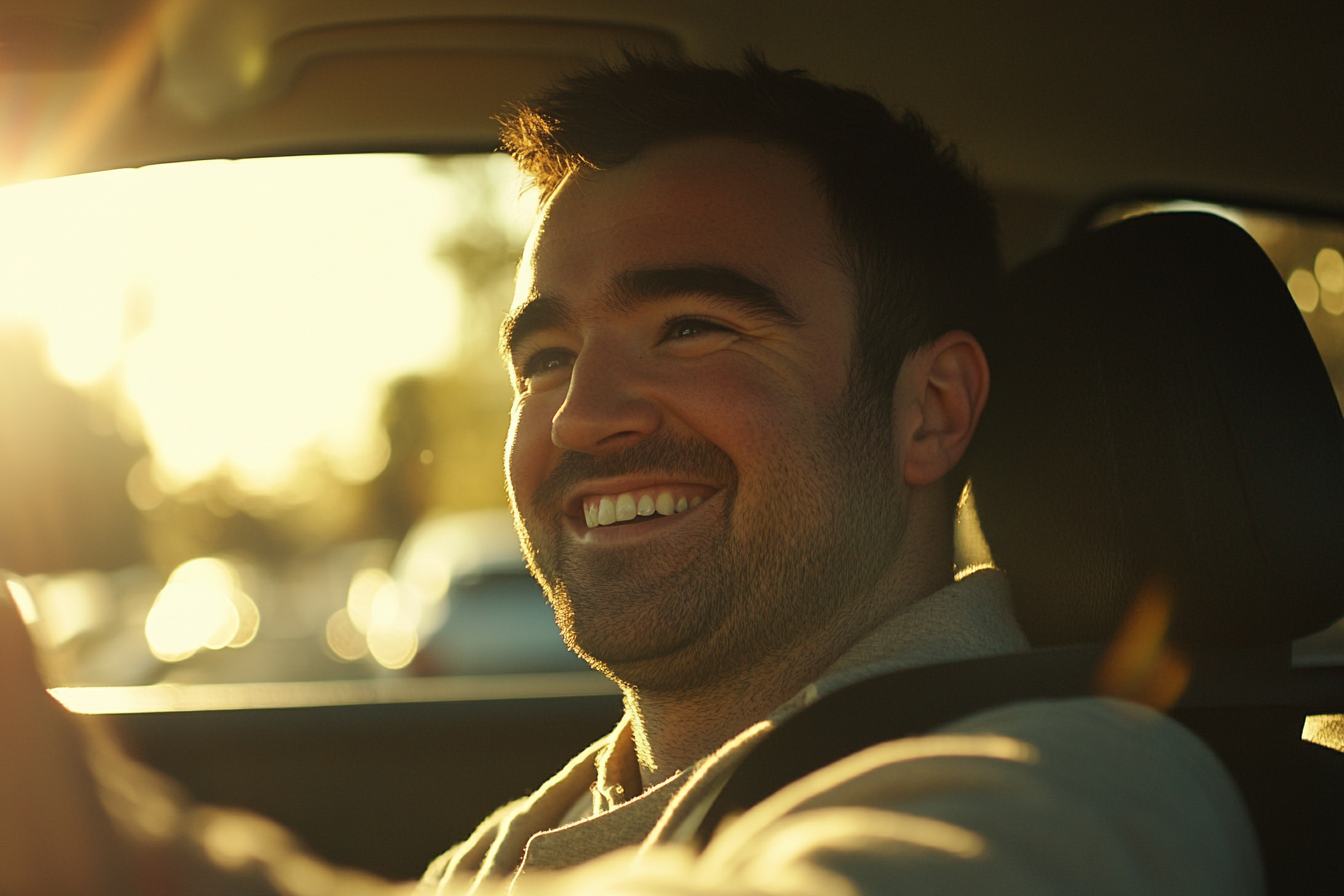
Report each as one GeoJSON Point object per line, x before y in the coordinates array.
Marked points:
{"type": "Point", "coordinates": [650, 643]}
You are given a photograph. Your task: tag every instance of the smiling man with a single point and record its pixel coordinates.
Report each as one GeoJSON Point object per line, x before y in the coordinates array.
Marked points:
{"type": "Point", "coordinates": [745, 379]}
{"type": "Point", "coordinates": [745, 376]}
{"type": "Point", "coordinates": [682, 340]}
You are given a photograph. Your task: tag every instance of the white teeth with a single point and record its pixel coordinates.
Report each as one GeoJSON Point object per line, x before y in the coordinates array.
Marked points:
{"type": "Point", "coordinates": [606, 510]}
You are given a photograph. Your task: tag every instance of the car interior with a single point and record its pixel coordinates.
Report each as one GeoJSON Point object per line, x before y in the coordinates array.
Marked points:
{"type": "Point", "coordinates": [1160, 469]}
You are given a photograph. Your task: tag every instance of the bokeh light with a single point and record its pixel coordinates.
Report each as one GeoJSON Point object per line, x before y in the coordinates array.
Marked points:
{"type": "Point", "coordinates": [1305, 291]}
{"type": "Point", "coordinates": [345, 640]}
{"type": "Point", "coordinates": [380, 618]}
{"type": "Point", "coordinates": [1330, 270]}
{"type": "Point", "coordinates": [202, 606]}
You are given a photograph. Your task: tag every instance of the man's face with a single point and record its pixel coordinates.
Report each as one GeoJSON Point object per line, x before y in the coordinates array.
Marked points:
{"type": "Point", "coordinates": [698, 488]}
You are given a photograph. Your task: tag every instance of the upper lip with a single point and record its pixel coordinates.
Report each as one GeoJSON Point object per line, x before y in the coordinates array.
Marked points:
{"type": "Point", "coordinates": [615, 485]}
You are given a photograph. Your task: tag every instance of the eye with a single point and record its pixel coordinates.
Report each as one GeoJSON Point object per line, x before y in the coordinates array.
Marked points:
{"type": "Point", "coordinates": [690, 327]}
{"type": "Point", "coordinates": [545, 362]}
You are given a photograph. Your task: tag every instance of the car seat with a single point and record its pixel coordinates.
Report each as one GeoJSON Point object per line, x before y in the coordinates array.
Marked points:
{"type": "Point", "coordinates": [1160, 423]}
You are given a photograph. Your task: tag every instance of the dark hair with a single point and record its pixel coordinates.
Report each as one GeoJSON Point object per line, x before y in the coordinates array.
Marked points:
{"type": "Point", "coordinates": [917, 230]}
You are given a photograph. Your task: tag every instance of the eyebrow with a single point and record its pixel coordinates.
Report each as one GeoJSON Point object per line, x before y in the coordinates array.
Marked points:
{"type": "Point", "coordinates": [539, 314]}
{"type": "Point", "coordinates": [631, 290]}
{"type": "Point", "coordinates": [722, 286]}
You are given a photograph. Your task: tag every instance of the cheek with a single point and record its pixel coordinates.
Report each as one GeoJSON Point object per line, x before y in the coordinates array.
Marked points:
{"type": "Point", "coordinates": [746, 410]}
{"type": "Point", "coordinates": [527, 454]}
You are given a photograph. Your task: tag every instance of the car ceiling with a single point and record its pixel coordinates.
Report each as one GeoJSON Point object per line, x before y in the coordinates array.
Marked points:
{"type": "Point", "coordinates": [1059, 100]}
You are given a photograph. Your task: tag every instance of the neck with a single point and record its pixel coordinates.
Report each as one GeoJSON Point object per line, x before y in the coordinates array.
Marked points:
{"type": "Point", "coordinates": [675, 729]}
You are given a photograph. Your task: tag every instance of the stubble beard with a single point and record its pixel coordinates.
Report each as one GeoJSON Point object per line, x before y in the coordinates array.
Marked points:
{"type": "Point", "coordinates": [783, 570]}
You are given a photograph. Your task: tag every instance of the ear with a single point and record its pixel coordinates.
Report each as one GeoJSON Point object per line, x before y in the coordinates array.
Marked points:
{"type": "Point", "coordinates": [940, 393]}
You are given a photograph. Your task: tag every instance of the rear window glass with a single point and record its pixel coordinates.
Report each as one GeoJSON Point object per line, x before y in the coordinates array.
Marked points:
{"type": "Point", "coordinates": [1308, 252]}
{"type": "Point", "coordinates": [251, 418]}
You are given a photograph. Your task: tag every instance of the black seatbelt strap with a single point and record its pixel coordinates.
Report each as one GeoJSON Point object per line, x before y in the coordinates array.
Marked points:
{"type": "Point", "coordinates": [896, 705]}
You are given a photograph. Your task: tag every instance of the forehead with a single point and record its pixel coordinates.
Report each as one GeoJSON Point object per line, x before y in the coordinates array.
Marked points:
{"type": "Point", "coordinates": [716, 202]}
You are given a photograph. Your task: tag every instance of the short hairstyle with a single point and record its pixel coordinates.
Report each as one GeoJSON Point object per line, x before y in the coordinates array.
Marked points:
{"type": "Point", "coordinates": [917, 230]}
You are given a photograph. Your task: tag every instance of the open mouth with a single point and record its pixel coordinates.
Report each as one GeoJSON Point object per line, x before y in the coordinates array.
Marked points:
{"type": "Point", "coordinates": [627, 508]}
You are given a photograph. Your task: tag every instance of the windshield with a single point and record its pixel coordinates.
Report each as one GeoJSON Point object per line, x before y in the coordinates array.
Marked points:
{"type": "Point", "coordinates": [252, 414]}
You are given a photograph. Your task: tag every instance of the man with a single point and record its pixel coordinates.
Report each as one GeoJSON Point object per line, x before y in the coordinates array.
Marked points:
{"type": "Point", "coordinates": [745, 378]}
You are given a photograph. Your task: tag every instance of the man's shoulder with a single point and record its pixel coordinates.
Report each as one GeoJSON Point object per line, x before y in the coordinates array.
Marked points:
{"type": "Point", "coordinates": [1080, 790]}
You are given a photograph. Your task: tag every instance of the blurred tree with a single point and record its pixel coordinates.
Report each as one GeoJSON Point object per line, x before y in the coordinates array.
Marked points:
{"type": "Point", "coordinates": [481, 251]}
{"type": "Point", "coordinates": [63, 470]}
{"type": "Point", "coordinates": [467, 405]}
{"type": "Point", "coordinates": [445, 429]}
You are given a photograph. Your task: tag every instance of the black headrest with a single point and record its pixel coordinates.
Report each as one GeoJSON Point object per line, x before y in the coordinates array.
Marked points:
{"type": "Point", "coordinates": [1159, 412]}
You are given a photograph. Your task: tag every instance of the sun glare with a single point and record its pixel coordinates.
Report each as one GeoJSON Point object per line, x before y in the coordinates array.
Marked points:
{"type": "Point", "coordinates": [249, 313]}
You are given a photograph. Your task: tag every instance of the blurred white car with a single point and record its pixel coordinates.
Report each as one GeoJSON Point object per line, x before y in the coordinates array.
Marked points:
{"type": "Point", "coordinates": [483, 612]}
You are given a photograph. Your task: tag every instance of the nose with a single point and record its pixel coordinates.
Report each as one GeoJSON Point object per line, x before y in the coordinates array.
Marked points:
{"type": "Point", "coordinates": [607, 406]}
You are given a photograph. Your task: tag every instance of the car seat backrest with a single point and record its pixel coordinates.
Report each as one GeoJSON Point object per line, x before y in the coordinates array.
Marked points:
{"type": "Point", "coordinates": [1159, 414]}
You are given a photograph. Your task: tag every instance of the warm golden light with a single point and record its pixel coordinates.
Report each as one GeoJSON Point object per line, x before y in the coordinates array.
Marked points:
{"type": "Point", "coordinates": [1306, 293]}
{"type": "Point", "coordinates": [251, 313]}
{"type": "Point", "coordinates": [1329, 269]}
{"type": "Point", "coordinates": [202, 606]}
{"type": "Point", "coordinates": [71, 604]}
{"type": "Point", "coordinates": [275, 695]}
{"type": "Point", "coordinates": [19, 593]}
{"type": "Point", "coordinates": [182, 620]}
{"type": "Point", "coordinates": [1333, 302]}
{"type": "Point", "coordinates": [393, 648]}
{"type": "Point", "coordinates": [1324, 730]}
{"type": "Point", "coordinates": [344, 639]}
{"type": "Point", "coordinates": [132, 58]}
{"type": "Point", "coordinates": [1139, 665]}
{"type": "Point", "coordinates": [385, 616]}
{"type": "Point", "coordinates": [364, 588]}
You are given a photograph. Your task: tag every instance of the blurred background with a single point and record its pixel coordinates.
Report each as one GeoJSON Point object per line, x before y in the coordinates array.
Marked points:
{"type": "Point", "coordinates": [251, 416]}
{"type": "Point", "coordinates": [251, 421]}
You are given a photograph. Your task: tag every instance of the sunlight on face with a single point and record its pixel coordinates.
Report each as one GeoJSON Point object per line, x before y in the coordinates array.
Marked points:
{"type": "Point", "coordinates": [249, 313]}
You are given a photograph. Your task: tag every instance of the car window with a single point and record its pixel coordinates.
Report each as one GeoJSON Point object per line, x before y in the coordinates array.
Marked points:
{"type": "Point", "coordinates": [1308, 251]}
{"type": "Point", "coordinates": [250, 418]}
{"type": "Point", "coordinates": [250, 423]}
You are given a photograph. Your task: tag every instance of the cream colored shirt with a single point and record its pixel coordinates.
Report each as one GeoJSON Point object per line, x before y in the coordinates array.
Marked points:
{"type": "Point", "coordinates": [1086, 796]}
